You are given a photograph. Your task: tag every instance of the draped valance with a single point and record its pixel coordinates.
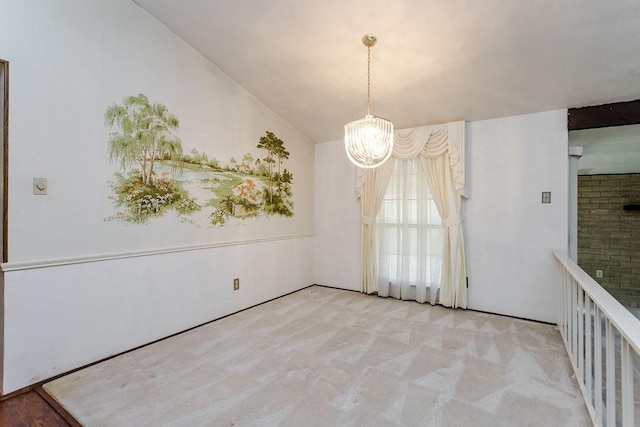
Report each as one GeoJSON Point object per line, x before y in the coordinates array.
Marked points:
{"type": "Point", "coordinates": [431, 142]}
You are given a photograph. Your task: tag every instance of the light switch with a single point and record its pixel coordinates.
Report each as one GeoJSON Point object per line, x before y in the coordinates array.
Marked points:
{"type": "Point", "coordinates": [546, 197]}
{"type": "Point", "coordinates": [40, 186]}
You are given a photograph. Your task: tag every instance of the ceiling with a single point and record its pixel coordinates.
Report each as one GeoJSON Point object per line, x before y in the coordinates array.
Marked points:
{"type": "Point", "coordinates": [435, 60]}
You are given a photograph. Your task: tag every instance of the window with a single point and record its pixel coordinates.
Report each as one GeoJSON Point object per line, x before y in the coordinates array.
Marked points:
{"type": "Point", "coordinates": [409, 232]}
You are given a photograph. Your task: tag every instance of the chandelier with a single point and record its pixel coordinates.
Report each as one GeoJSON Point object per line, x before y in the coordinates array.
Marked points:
{"type": "Point", "coordinates": [368, 141]}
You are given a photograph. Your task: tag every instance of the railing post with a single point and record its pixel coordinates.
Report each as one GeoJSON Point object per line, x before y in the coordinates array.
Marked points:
{"type": "Point", "coordinates": [611, 374]}
{"type": "Point", "coordinates": [628, 398]}
{"type": "Point", "coordinates": [597, 350]}
{"type": "Point", "coordinates": [580, 313]}
{"type": "Point", "coordinates": [560, 306]}
{"type": "Point", "coordinates": [564, 310]}
{"type": "Point", "coordinates": [588, 346]}
{"type": "Point", "coordinates": [574, 308]}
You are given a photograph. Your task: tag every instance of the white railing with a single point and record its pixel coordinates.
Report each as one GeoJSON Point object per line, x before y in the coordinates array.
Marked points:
{"type": "Point", "coordinates": [602, 339]}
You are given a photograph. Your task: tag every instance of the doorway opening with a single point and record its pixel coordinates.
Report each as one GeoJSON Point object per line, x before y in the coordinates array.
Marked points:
{"type": "Point", "coordinates": [608, 192]}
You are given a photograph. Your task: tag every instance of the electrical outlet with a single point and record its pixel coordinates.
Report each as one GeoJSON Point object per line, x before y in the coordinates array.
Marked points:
{"type": "Point", "coordinates": [599, 274]}
{"type": "Point", "coordinates": [236, 284]}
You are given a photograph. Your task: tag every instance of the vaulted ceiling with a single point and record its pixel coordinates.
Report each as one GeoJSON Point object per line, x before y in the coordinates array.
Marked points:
{"type": "Point", "coordinates": [435, 61]}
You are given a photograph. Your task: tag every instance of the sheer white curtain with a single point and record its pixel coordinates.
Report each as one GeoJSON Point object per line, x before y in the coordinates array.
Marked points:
{"type": "Point", "coordinates": [441, 150]}
{"type": "Point", "coordinates": [408, 236]}
{"type": "Point", "coordinates": [371, 187]}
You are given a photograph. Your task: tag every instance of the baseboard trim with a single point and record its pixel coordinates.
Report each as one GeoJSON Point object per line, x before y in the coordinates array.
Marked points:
{"type": "Point", "coordinates": [467, 309]}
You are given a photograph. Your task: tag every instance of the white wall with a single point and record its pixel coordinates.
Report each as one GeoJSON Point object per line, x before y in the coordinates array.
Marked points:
{"type": "Point", "coordinates": [509, 234]}
{"type": "Point", "coordinates": [69, 60]}
{"type": "Point", "coordinates": [337, 243]}
{"type": "Point", "coordinates": [60, 318]}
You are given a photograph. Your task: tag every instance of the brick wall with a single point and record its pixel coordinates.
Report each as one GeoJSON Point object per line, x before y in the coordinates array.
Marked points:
{"type": "Point", "coordinates": [608, 236]}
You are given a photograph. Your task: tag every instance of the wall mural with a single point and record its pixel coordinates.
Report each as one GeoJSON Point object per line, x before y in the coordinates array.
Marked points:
{"type": "Point", "coordinates": [157, 177]}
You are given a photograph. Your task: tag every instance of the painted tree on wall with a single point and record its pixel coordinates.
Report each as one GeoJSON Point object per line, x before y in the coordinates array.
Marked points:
{"type": "Point", "coordinates": [267, 143]}
{"type": "Point", "coordinates": [144, 133]}
{"type": "Point", "coordinates": [276, 153]}
{"type": "Point", "coordinates": [277, 197]}
{"type": "Point", "coordinates": [262, 190]}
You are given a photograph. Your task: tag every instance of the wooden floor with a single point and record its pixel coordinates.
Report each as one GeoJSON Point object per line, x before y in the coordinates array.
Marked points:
{"type": "Point", "coordinates": [32, 409]}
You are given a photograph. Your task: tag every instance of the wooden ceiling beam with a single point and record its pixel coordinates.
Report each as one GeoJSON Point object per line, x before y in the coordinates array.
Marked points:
{"type": "Point", "coordinates": [600, 116]}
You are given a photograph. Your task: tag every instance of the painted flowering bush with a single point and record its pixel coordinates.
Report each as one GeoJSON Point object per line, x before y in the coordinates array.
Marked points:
{"type": "Point", "coordinates": [142, 201]}
{"type": "Point", "coordinates": [218, 217]}
{"type": "Point", "coordinates": [245, 202]}
{"type": "Point", "coordinates": [247, 198]}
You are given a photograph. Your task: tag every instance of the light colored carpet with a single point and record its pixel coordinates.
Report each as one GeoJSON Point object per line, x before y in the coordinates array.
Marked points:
{"type": "Point", "coordinates": [327, 357]}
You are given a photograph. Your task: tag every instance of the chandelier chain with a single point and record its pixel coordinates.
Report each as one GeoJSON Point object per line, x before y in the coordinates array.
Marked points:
{"type": "Point", "coordinates": [368, 80]}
